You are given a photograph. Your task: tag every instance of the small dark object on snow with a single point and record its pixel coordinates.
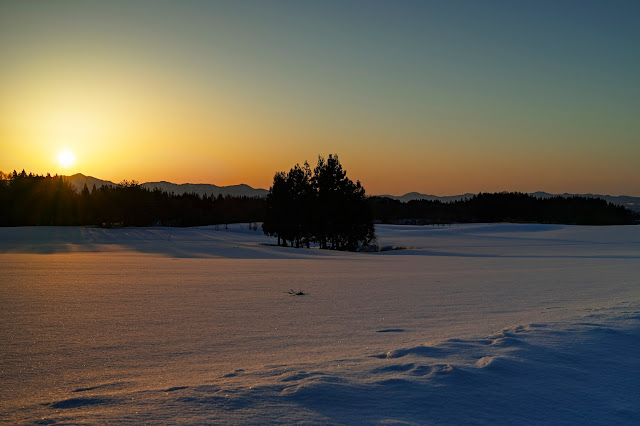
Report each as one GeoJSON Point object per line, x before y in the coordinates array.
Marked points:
{"type": "Point", "coordinates": [296, 293]}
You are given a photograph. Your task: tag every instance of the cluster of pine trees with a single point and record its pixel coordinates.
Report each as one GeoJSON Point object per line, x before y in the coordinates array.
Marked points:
{"type": "Point", "coordinates": [29, 199]}
{"type": "Point", "coordinates": [503, 207]}
{"type": "Point", "coordinates": [322, 206]}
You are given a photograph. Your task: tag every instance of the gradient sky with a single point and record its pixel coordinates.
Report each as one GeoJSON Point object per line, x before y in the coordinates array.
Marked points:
{"type": "Point", "coordinates": [439, 97]}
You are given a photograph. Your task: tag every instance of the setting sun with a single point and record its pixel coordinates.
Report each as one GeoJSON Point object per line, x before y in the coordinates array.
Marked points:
{"type": "Point", "coordinates": [66, 158]}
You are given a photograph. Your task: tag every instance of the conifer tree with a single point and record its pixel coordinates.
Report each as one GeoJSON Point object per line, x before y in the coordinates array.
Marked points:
{"type": "Point", "coordinates": [323, 206]}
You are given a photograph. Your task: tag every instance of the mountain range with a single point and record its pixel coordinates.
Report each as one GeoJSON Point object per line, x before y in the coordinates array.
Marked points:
{"type": "Point", "coordinates": [79, 180]}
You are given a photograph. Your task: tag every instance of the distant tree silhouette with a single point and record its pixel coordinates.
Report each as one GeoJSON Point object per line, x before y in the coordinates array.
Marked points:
{"type": "Point", "coordinates": [503, 207]}
{"type": "Point", "coordinates": [322, 206]}
{"type": "Point", "coordinates": [303, 206]}
{"type": "Point", "coordinates": [29, 199]}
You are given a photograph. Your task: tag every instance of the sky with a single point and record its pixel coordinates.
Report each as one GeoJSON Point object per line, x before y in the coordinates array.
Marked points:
{"type": "Point", "coordinates": [437, 97]}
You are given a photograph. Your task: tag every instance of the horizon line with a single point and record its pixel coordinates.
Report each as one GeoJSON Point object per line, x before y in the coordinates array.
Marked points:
{"type": "Point", "coordinates": [373, 195]}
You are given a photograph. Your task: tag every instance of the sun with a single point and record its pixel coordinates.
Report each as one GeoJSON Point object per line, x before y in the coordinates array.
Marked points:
{"type": "Point", "coordinates": [66, 158]}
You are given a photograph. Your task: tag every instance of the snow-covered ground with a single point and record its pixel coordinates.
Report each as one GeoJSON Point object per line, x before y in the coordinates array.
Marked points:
{"type": "Point", "coordinates": [473, 324]}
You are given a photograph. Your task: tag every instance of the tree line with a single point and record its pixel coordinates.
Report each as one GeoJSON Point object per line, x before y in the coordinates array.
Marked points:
{"type": "Point", "coordinates": [320, 206]}
{"type": "Point", "coordinates": [31, 200]}
{"type": "Point", "coordinates": [504, 207]}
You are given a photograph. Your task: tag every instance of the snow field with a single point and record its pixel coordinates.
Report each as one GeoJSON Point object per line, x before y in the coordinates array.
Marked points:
{"type": "Point", "coordinates": [480, 324]}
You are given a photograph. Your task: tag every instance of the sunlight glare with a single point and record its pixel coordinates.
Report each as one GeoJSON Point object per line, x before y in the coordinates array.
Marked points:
{"type": "Point", "coordinates": [66, 158]}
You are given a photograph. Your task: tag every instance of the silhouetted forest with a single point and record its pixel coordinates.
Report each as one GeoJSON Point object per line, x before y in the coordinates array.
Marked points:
{"type": "Point", "coordinates": [326, 217]}
{"type": "Point", "coordinates": [503, 207]}
{"type": "Point", "coordinates": [29, 199]}
{"type": "Point", "coordinates": [323, 207]}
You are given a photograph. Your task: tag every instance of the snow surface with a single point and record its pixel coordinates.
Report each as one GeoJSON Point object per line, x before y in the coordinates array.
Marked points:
{"type": "Point", "coordinates": [473, 324]}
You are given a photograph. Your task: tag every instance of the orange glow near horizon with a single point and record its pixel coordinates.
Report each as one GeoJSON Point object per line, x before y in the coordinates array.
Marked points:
{"type": "Point", "coordinates": [181, 144]}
